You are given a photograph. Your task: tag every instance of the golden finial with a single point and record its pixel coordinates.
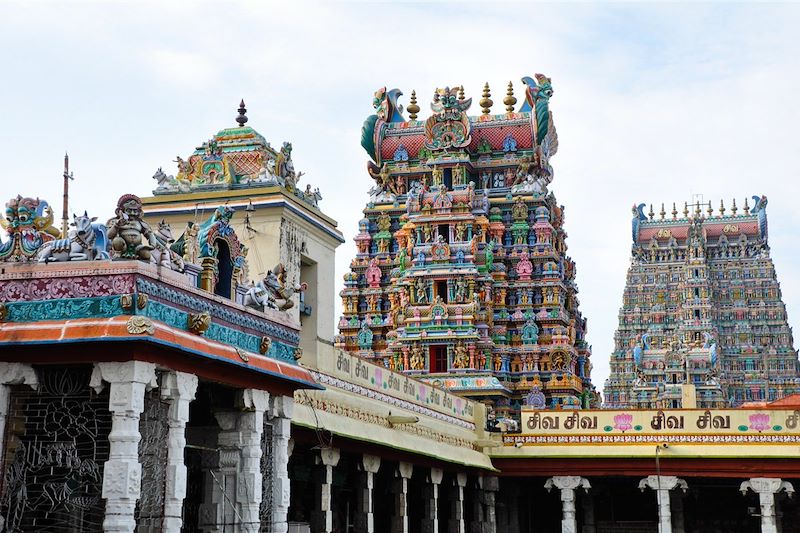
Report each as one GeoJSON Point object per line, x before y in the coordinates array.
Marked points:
{"type": "Point", "coordinates": [510, 99]}
{"type": "Point", "coordinates": [413, 108]}
{"type": "Point", "coordinates": [662, 213]}
{"type": "Point", "coordinates": [461, 93]}
{"type": "Point", "coordinates": [721, 208]}
{"type": "Point", "coordinates": [710, 209]}
{"type": "Point", "coordinates": [674, 212]}
{"type": "Point", "coordinates": [486, 102]}
{"type": "Point", "coordinates": [746, 207]}
{"type": "Point", "coordinates": [651, 214]}
{"type": "Point", "coordinates": [685, 209]}
{"type": "Point", "coordinates": [734, 208]}
{"type": "Point", "coordinates": [697, 210]}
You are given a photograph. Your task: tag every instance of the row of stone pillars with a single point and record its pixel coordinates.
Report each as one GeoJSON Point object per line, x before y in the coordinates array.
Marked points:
{"type": "Point", "coordinates": [766, 488]}
{"type": "Point", "coordinates": [234, 495]}
{"type": "Point", "coordinates": [481, 517]}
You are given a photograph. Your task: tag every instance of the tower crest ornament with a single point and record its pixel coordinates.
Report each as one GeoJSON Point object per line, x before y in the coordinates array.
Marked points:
{"type": "Point", "coordinates": [449, 126]}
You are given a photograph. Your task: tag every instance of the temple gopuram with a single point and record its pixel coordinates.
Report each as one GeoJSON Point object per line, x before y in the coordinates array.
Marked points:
{"type": "Point", "coordinates": [702, 317]}
{"type": "Point", "coordinates": [462, 275]}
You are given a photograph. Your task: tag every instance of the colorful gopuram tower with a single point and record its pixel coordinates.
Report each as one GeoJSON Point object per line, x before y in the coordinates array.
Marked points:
{"type": "Point", "coordinates": [461, 275]}
{"type": "Point", "coordinates": [702, 318]}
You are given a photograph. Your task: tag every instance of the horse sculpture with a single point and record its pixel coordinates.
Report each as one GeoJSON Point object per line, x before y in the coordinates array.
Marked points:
{"type": "Point", "coordinates": [273, 292]}
{"type": "Point", "coordinates": [87, 242]}
{"type": "Point", "coordinates": [162, 254]}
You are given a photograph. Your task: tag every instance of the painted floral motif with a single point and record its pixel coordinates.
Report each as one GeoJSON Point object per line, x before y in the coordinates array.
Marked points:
{"type": "Point", "coordinates": [623, 422]}
{"type": "Point", "coordinates": [759, 422]}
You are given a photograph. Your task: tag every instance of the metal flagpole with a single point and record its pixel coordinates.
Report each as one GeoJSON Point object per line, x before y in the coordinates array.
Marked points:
{"type": "Point", "coordinates": [65, 206]}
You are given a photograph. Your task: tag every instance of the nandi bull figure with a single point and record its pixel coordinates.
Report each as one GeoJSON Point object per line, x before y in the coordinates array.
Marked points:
{"type": "Point", "coordinates": [86, 242]}
{"type": "Point", "coordinates": [273, 292]}
{"type": "Point", "coordinates": [162, 254]}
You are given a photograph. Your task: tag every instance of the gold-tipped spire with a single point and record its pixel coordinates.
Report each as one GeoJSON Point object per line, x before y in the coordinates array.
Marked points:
{"type": "Point", "coordinates": [721, 207]}
{"type": "Point", "coordinates": [697, 210]}
{"type": "Point", "coordinates": [510, 100]}
{"type": "Point", "coordinates": [486, 102]}
{"type": "Point", "coordinates": [674, 212]}
{"type": "Point", "coordinates": [734, 208]}
{"type": "Point", "coordinates": [685, 209]}
{"type": "Point", "coordinates": [709, 210]}
{"type": "Point", "coordinates": [651, 214]}
{"type": "Point", "coordinates": [461, 95]}
{"type": "Point", "coordinates": [746, 207]}
{"type": "Point", "coordinates": [413, 108]}
{"type": "Point", "coordinates": [662, 213]}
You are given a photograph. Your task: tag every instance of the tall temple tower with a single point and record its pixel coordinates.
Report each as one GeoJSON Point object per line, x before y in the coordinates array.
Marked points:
{"type": "Point", "coordinates": [702, 320]}
{"type": "Point", "coordinates": [461, 275]}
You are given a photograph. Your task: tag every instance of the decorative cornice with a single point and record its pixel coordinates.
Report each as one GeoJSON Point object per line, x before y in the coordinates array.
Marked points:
{"type": "Point", "coordinates": [242, 319]}
{"type": "Point", "coordinates": [389, 400]}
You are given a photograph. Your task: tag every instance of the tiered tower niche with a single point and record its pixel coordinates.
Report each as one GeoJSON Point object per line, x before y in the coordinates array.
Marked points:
{"type": "Point", "coordinates": [702, 319]}
{"type": "Point", "coordinates": [461, 275]}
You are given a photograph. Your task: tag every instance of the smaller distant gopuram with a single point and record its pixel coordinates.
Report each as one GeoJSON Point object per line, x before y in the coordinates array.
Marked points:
{"type": "Point", "coordinates": [702, 318]}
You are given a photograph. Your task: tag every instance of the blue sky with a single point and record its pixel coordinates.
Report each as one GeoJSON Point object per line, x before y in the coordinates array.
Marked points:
{"type": "Point", "coordinates": [652, 103]}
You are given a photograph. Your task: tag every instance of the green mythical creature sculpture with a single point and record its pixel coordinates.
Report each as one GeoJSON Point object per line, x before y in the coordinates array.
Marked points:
{"type": "Point", "coordinates": [29, 224]}
{"type": "Point", "coordinates": [449, 126]}
{"type": "Point", "coordinates": [537, 101]}
{"type": "Point", "coordinates": [386, 110]}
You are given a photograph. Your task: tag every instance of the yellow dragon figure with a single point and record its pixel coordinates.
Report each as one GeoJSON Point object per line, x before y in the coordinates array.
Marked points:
{"type": "Point", "coordinates": [29, 224]}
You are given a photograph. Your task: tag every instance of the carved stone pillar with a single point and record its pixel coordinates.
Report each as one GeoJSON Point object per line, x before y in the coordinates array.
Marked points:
{"type": "Point", "coordinates": [678, 522]}
{"type": "Point", "coordinates": [12, 374]}
{"type": "Point", "coordinates": [662, 485]}
{"type": "Point", "coordinates": [489, 486]}
{"type": "Point", "coordinates": [766, 488]}
{"type": "Point", "coordinates": [430, 515]}
{"type": "Point", "coordinates": [234, 489]}
{"type": "Point", "coordinates": [322, 516]}
{"type": "Point", "coordinates": [179, 389]}
{"type": "Point", "coordinates": [400, 491]}
{"type": "Point", "coordinates": [513, 509]}
{"type": "Point", "coordinates": [122, 473]}
{"type": "Point", "coordinates": [456, 522]}
{"type": "Point", "coordinates": [567, 485]}
{"type": "Point", "coordinates": [365, 519]}
{"type": "Point", "coordinates": [281, 411]}
{"type": "Point", "coordinates": [588, 514]}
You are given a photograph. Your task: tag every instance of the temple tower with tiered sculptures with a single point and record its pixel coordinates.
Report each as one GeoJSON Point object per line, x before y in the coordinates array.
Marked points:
{"type": "Point", "coordinates": [461, 275]}
{"type": "Point", "coordinates": [702, 321]}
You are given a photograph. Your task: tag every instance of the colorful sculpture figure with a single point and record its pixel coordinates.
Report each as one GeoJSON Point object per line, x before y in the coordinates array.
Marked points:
{"type": "Point", "coordinates": [86, 242]}
{"type": "Point", "coordinates": [448, 127]}
{"type": "Point", "coordinates": [29, 224]}
{"type": "Point", "coordinates": [273, 292]}
{"type": "Point", "coordinates": [131, 237]}
{"type": "Point", "coordinates": [162, 254]}
{"type": "Point", "coordinates": [365, 337]}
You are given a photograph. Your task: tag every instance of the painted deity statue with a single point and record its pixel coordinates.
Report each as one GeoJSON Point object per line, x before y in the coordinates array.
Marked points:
{"type": "Point", "coordinates": [417, 358]}
{"type": "Point", "coordinates": [29, 224]}
{"type": "Point", "coordinates": [284, 167]}
{"type": "Point", "coordinates": [460, 357]}
{"type": "Point", "coordinates": [273, 292]}
{"type": "Point", "coordinates": [131, 237]}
